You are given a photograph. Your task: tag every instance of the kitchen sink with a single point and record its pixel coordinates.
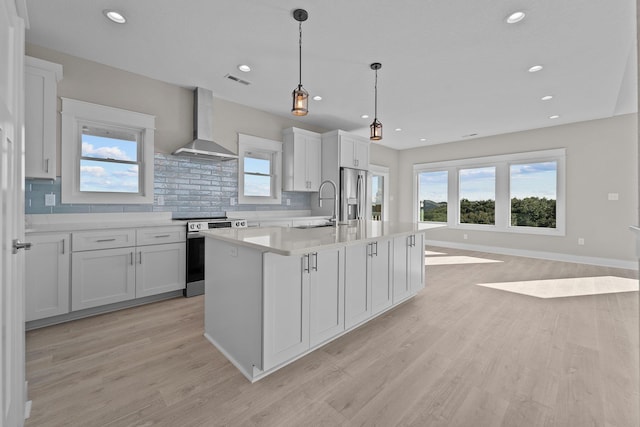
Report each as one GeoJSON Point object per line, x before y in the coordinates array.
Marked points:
{"type": "Point", "coordinates": [313, 226]}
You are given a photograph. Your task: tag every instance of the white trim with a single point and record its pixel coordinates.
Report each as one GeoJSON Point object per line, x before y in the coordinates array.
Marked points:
{"type": "Point", "coordinates": [271, 148]}
{"type": "Point", "coordinates": [74, 112]}
{"type": "Point", "coordinates": [552, 256]}
{"type": "Point", "coordinates": [502, 164]}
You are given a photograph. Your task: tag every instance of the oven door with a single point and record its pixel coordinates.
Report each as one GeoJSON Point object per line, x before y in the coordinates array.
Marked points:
{"type": "Point", "coordinates": [195, 265]}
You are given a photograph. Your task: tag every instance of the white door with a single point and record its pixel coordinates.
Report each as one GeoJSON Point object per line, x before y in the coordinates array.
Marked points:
{"type": "Point", "coordinates": [12, 347]}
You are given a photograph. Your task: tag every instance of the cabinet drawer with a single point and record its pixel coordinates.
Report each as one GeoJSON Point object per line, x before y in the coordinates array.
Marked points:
{"type": "Point", "coordinates": [159, 235]}
{"type": "Point", "coordinates": [106, 239]}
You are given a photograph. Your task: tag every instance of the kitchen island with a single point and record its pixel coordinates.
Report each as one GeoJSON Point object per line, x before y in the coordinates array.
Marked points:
{"type": "Point", "coordinates": [274, 294]}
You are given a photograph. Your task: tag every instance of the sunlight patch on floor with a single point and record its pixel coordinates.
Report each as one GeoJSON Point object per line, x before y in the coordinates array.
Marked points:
{"type": "Point", "coordinates": [570, 287]}
{"type": "Point", "coordinates": [458, 259]}
{"type": "Point", "coordinates": [432, 253]}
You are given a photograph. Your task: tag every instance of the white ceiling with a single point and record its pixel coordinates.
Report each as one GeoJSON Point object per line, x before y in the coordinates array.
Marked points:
{"type": "Point", "coordinates": [449, 67]}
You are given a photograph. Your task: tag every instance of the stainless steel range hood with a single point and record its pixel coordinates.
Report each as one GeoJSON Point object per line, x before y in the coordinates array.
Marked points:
{"type": "Point", "coordinates": [203, 145]}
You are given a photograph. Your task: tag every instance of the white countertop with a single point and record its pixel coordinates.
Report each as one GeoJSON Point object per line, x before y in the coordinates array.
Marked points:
{"type": "Point", "coordinates": [45, 223]}
{"type": "Point", "coordinates": [295, 241]}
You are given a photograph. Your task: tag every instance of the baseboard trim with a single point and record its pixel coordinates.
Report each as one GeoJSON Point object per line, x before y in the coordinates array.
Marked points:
{"type": "Point", "coordinates": [552, 256]}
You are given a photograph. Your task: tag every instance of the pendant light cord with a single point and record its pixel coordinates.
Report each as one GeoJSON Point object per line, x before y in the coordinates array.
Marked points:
{"type": "Point", "coordinates": [300, 53]}
{"type": "Point", "coordinates": [375, 113]}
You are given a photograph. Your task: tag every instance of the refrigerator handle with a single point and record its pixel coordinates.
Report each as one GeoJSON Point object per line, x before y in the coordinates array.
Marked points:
{"type": "Point", "coordinates": [359, 196]}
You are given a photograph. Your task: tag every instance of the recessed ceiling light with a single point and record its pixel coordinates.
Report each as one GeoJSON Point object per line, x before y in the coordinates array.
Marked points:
{"type": "Point", "coordinates": [244, 68]}
{"type": "Point", "coordinates": [546, 97]}
{"type": "Point", "coordinates": [535, 68]}
{"type": "Point", "coordinates": [365, 116]}
{"type": "Point", "coordinates": [317, 98]}
{"type": "Point", "coordinates": [398, 129]}
{"type": "Point", "coordinates": [423, 139]}
{"type": "Point", "coordinates": [555, 116]}
{"type": "Point", "coordinates": [114, 16]}
{"type": "Point", "coordinates": [469, 135]}
{"type": "Point", "coordinates": [515, 17]}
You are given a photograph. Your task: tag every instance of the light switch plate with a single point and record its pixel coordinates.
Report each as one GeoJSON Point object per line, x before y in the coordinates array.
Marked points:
{"type": "Point", "coordinates": [613, 196]}
{"type": "Point", "coordinates": [50, 199]}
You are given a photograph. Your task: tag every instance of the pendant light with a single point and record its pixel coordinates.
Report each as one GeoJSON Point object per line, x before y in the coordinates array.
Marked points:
{"type": "Point", "coordinates": [376, 126]}
{"type": "Point", "coordinates": [300, 96]}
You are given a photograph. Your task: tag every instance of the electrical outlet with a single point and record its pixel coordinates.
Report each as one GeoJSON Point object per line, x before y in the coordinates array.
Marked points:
{"type": "Point", "coordinates": [581, 241]}
{"type": "Point", "coordinates": [288, 202]}
{"type": "Point", "coordinates": [160, 200]}
{"type": "Point", "coordinates": [613, 196]}
{"type": "Point", "coordinates": [465, 236]}
{"type": "Point", "coordinates": [232, 201]}
{"type": "Point", "coordinates": [50, 199]}
{"type": "Point", "coordinates": [233, 251]}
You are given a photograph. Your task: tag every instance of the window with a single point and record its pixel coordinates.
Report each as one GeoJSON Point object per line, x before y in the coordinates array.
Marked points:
{"type": "Point", "coordinates": [433, 191]}
{"type": "Point", "coordinates": [259, 177]}
{"type": "Point", "coordinates": [520, 193]}
{"type": "Point", "coordinates": [109, 159]}
{"type": "Point", "coordinates": [533, 194]}
{"type": "Point", "coordinates": [477, 195]}
{"type": "Point", "coordinates": [107, 154]}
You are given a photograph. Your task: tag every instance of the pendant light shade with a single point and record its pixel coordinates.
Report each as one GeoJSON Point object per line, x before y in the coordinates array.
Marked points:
{"type": "Point", "coordinates": [376, 126]}
{"type": "Point", "coordinates": [300, 95]}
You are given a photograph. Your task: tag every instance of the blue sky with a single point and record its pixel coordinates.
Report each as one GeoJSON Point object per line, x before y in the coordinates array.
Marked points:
{"type": "Point", "coordinates": [527, 180]}
{"type": "Point", "coordinates": [96, 175]}
{"type": "Point", "coordinates": [255, 185]}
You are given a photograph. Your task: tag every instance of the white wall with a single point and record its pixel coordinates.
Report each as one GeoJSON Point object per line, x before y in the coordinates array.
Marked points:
{"type": "Point", "coordinates": [384, 156]}
{"type": "Point", "coordinates": [601, 158]}
{"type": "Point", "coordinates": [172, 105]}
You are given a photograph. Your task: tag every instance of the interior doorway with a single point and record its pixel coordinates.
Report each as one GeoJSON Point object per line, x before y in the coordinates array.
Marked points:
{"type": "Point", "coordinates": [379, 186]}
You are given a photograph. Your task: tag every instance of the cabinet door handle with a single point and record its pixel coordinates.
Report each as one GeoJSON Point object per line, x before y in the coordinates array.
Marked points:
{"type": "Point", "coordinates": [376, 245]}
{"type": "Point", "coordinates": [315, 261]}
{"type": "Point", "coordinates": [131, 257]}
{"type": "Point", "coordinates": [162, 235]}
{"type": "Point", "coordinates": [305, 263]}
{"type": "Point", "coordinates": [46, 165]}
{"type": "Point", "coordinates": [105, 240]}
{"type": "Point", "coordinates": [368, 249]}
{"type": "Point", "coordinates": [63, 240]}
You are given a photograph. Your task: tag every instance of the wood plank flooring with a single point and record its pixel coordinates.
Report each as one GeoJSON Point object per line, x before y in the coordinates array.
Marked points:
{"type": "Point", "coordinates": [458, 354]}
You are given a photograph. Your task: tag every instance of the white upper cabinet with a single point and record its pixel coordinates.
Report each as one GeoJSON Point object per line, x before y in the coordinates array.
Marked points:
{"type": "Point", "coordinates": [343, 149]}
{"type": "Point", "coordinates": [302, 160]}
{"type": "Point", "coordinates": [41, 79]}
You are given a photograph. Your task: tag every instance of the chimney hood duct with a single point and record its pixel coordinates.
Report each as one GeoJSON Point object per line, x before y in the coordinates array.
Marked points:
{"type": "Point", "coordinates": [203, 145]}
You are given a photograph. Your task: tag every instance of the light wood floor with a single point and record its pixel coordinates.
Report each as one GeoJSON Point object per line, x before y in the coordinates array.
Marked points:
{"type": "Point", "coordinates": [456, 355]}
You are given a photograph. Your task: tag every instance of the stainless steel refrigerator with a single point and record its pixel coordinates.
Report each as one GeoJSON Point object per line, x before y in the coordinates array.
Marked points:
{"type": "Point", "coordinates": [354, 195]}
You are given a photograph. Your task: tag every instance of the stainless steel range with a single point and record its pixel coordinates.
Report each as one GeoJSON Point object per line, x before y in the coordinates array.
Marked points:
{"type": "Point", "coordinates": [195, 249]}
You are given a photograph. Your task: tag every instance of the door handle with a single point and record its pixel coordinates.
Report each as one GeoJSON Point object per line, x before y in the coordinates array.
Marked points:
{"type": "Point", "coordinates": [17, 245]}
{"type": "Point", "coordinates": [315, 261]}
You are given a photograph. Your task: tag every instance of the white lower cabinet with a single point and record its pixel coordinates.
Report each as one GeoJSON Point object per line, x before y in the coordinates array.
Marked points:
{"type": "Point", "coordinates": [126, 271]}
{"type": "Point", "coordinates": [408, 266]}
{"type": "Point", "coordinates": [47, 276]}
{"type": "Point", "coordinates": [102, 277]}
{"type": "Point", "coordinates": [160, 268]}
{"type": "Point", "coordinates": [367, 281]}
{"type": "Point", "coordinates": [303, 303]}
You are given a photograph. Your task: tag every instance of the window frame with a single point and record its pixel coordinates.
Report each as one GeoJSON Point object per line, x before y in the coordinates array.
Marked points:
{"type": "Point", "coordinates": [268, 148]}
{"type": "Point", "coordinates": [502, 163]}
{"type": "Point", "coordinates": [74, 114]}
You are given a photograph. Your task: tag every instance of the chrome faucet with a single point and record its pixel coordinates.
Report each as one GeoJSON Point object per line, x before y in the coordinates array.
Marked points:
{"type": "Point", "coordinates": [334, 219]}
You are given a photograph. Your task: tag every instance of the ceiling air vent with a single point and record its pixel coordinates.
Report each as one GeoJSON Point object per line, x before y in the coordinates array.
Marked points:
{"type": "Point", "coordinates": [237, 79]}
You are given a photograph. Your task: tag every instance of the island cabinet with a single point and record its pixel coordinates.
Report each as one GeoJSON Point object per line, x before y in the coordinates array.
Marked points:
{"type": "Point", "coordinates": [408, 266]}
{"type": "Point", "coordinates": [303, 303]}
{"type": "Point", "coordinates": [274, 294]}
{"type": "Point", "coordinates": [367, 281]}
